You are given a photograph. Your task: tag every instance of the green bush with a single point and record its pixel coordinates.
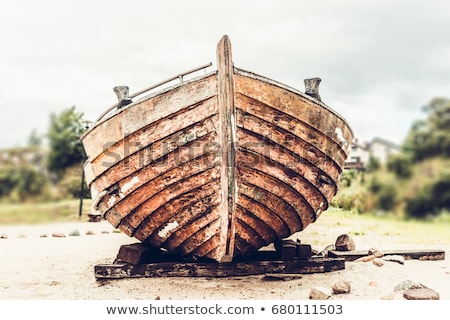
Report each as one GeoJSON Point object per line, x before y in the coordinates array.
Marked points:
{"type": "Point", "coordinates": [441, 191]}
{"type": "Point", "coordinates": [347, 178]}
{"type": "Point", "coordinates": [374, 185]}
{"type": "Point", "coordinates": [386, 197]}
{"type": "Point", "coordinates": [30, 182]}
{"type": "Point", "coordinates": [21, 182]}
{"type": "Point", "coordinates": [384, 191]}
{"type": "Point", "coordinates": [431, 199]}
{"type": "Point", "coordinates": [401, 165]}
{"type": "Point", "coordinates": [7, 180]}
{"type": "Point", "coordinates": [350, 199]}
{"type": "Point", "coordinates": [345, 202]}
{"type": "Point", "coordinates": [71, 186]}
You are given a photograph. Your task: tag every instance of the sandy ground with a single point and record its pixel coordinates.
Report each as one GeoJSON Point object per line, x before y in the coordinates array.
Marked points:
{"type": "Point", "coordinates": [39, 268]}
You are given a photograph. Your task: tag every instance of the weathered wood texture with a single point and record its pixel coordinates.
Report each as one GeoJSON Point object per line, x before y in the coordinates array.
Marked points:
{"type": "Point", "coordinates": [424, 255]}
{"type": "Point", "coordinates": [219, 166]}
{"type": "Point", "coordinates": [214, 269]}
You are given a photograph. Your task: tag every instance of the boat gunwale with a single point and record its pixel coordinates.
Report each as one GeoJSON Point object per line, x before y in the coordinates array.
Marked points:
{"type": "Point", "coordinates": [117, 111]}
{"type": "Point", "coordinates": [256, 76]}
{"type": "Point", "coordinates": [238, 71]}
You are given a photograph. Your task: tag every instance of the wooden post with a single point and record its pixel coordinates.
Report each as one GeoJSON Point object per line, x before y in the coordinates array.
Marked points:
{"type": "Point", "coordinates": [80, 209]}
{"type": "Point", "coordinates": [228, 143]}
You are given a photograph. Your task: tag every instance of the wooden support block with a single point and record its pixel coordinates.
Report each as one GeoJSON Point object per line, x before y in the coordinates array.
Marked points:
{"type": "Point", "coordinates": [137, 253]}
{"type": "Point", "coordinates": [303, 251]}
{"type": "Point", "coordinates": [288, 250]}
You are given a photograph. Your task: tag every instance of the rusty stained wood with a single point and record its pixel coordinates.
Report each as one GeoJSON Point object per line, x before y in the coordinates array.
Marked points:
{"type": "Point", "coordinates": [213, 269]}
{"type": "Point", "coordinates": [228, 181]}
{"type": "Point", "coordinates": [424, 255]}
{"type": "Point", "coordinates": [176, 166]}
{"type": "Point", "coordinates": [185, 126]}
{"type": "Point", "coordinates": [315, 115]}
{"type": "Point", "coordinates": [217, 167]}
{"type": "Point", "coordinates": [150, 110]}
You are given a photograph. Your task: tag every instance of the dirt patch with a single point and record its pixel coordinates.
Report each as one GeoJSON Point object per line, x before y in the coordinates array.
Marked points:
{"type": "Point", "coordinates": [38, 267]}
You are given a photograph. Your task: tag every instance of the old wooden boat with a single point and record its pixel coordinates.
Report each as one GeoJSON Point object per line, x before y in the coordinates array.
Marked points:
{"type": "Point", "coordinates": [216, 166]}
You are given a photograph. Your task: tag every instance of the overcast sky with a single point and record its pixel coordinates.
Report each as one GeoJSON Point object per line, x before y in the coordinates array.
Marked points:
{"type": "Point", "coordinates": [380, 61]}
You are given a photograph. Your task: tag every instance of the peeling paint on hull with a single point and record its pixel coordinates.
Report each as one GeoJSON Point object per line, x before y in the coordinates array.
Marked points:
{"type": "Point", "coordinates": [218, 166]}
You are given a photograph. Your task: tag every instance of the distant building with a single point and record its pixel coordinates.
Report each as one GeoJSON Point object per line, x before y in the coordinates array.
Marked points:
{"type": "Point", "coordinates": [378, 148]}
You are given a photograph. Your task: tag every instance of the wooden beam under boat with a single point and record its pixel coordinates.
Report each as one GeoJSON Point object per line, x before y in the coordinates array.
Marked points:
{"type": "Point", "coordinates": [421, 254]}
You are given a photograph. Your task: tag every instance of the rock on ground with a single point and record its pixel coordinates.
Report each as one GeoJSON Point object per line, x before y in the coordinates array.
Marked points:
{"type": "Point", "coordinates": [319, 293]}
{"type": "Point", "coordinates": [345, 243]}
{"type": "Point", "coordinates": [421, 294]}
{"type": "Point", "coordinates": [341, 287]}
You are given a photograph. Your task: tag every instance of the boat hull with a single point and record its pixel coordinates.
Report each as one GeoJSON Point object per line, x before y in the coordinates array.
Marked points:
{"type": "Point", "coordinates": [219, 166]}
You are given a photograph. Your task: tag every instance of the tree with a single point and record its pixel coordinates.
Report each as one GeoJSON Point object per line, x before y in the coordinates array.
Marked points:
{"type": "Point", "coordinates": [430, 137]}
{"type": "Point", "coordinates": [64, 140]}
{"type": "Point", "coordinates": [34, 139]}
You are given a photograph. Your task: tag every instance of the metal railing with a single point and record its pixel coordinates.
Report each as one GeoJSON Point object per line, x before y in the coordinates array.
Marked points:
{"type": "Point", "coordinates": [134, 95]}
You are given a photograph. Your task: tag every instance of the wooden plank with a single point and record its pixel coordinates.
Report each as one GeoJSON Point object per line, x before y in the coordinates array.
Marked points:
{"type": "Point", "coordinates": [281, 276]}
{"type": "Point", "coordinates": [214, 269]}
{"type": "Point", "coordinates": [226, 93]}
{"type": "Point", "coordinates": [152, 109]}
{"type": "Point", "coordinates": [432, 254]}
{"type": "Point", "coordinates": [315, 115]}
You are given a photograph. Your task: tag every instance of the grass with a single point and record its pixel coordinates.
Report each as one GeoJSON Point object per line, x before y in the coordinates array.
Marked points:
{"type": "Point", "coordinates": [385, 229]}
{"type": "Point", "coordinates": [35, 213]}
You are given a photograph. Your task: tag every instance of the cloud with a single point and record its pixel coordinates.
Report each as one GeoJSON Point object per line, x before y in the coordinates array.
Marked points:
{"type": "Point", "coordinates": [379, 61]}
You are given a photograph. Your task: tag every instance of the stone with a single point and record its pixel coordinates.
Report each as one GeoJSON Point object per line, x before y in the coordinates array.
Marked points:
{"type": "Point", "coordinates": [365, 259]}
{"type": "Point", "coordinates": [326, 250]}
{"type": "Point", "coordinates": [341, 287]}
{"type": "Point", "coordinates": [3, 236]}
{"type": "Point", "coordinates": [373, 284]}
{"type": "Point", "coordinates": [74, 233]}
{"type": "Point", "coordinates": [43, 235]}
{"type": "Point", "coordinates": [421, 294]}
{"type": "Point", "coordinates": [375, 252]}
{"type": "Point", "coordinates": [319, 293]}
{"type": "Point", "coordinates": [394, 258]}
{"type": "Point", "coordinates": [409, 284]}
{"type": "Point", "coordinates": [94, 217]}
{"type": "Point", "coordinates": [105, 232]}
{"type": "Point", "coordinates": [345, 243]}
{"type": "Point", "coordinates": [90, 233]}
{"type": "Point", "coordinates": [378, 262]}
{"type": "Point", "coordinates": [22, 236]}
{"type": "Point", "coordinates": [58, 235]}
